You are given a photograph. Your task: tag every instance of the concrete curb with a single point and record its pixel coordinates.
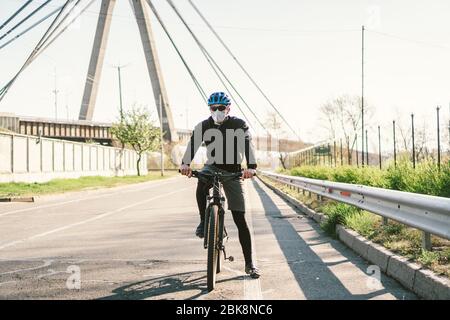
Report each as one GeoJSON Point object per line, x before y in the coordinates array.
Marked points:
{"type": "Point", "coordinates": [431, 286]}
{"type": "Point", "coordinates": [17, 199]}
{"type": "Point", "coordinates": [423, 282]}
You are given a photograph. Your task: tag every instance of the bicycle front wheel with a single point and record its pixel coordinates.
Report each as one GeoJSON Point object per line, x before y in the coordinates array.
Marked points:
{"type": "Point", "coordinates": [212, 246]}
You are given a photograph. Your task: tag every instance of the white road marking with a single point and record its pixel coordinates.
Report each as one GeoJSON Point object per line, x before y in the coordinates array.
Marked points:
{"type": "Point", "coordinates": [252, 287]}
{"type": "Point", "coordinates": [84, 199]}
{"type": "Point", "coordinates": [106, 214]}
{"type": "Point", "coordinates": [47, 263]}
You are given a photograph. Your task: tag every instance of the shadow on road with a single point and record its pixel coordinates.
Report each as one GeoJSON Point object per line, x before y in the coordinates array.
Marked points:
{"type": "Point", "coordinates": [158, 288]}
{"type": "Point", "coordinates": [313, 275]}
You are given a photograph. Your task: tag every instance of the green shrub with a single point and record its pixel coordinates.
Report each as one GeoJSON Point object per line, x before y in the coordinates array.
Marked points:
{"type": "Point", "coordinates": [324, 173]}
{"type": "Point", "coordinates": [363, 222]}
{"type": "Point", "coordinates": [426, 178]}
{"type": "Point", "coordinates": [393, 228]}
{"type": "Point", "coordinates": [427, 258]}
{"type": "Point", "coordinates": [338, 213]}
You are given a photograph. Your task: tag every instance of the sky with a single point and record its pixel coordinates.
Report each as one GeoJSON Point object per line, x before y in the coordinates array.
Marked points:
{"type": "Point", "coordinates": [302, 53]}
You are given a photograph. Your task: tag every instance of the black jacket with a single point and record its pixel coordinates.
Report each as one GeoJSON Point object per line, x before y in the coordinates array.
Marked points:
{"type": "Point", "coordinates": [226, 144]}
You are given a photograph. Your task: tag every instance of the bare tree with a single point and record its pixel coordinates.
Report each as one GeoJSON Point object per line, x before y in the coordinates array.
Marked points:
{"type": "Point", "coordinates": [274, 124]}
{"type": "Point", "coordinates": [404, 129]}
{"type": "Point", "coordinates": [341, 117]}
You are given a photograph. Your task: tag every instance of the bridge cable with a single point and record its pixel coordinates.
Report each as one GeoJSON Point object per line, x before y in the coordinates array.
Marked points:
{"type": "Point", "coordinates": [5, 89]}
{"type": "Point", "coordinates": [65, 28]}
{"type": "Point", "coordinates": [57, 26]}
{"type": "Point", "coordinates": [241, 66]}
{"type": "Point", "coordinates": [224, 84]}
{"type": "Point", "coordinates": [51, 41]}
{"type": "Point", "coordinates": [40, 48]}
{"type": "Point", "coordinates": [15, 13]}
{"type": "Point", "coordinates": [207, 55]}
{"type": "Point", "coordinates": [25, 19]}
{"type": "Point", "coordinates": [29, 28]}
{"type": "Point", "coordinates": [197, 84]}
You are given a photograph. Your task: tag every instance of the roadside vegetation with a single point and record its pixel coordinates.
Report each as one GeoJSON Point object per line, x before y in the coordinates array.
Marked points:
{"type": "Point", "coordinates": [426, 178]}
{"type": "Point", "coordinates": [396, 237]}
{"type": "Point", "coordinates": [14, 189]}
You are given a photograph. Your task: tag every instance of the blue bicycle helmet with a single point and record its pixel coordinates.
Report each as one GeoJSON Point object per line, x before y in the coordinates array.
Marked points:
{"type": "Point", "coordinates": [219, 98]}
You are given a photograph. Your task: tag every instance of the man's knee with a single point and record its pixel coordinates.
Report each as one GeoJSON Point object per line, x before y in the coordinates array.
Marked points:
{"type": "Point", "coordinates": [239, 218]}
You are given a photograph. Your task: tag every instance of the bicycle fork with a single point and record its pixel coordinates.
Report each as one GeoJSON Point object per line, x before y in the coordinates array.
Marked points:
{"type": "Point", "coordinates": [223, 234]}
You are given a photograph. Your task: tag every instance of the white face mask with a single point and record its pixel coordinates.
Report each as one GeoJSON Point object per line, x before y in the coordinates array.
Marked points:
{"type": "Point", "coordinates": [218, 116]}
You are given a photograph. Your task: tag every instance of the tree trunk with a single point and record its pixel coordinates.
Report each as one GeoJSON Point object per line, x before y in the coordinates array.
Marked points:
{"type": "Point", "coordinates": [282, 160]}
{"type": "Point", "coordinates": [137, 164]}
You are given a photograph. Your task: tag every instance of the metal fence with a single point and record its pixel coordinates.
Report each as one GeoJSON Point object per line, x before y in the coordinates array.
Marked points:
{"type": "Point", "coordinates": [429, 214]}
{"type": "Point", "coordinates": [353, 149]}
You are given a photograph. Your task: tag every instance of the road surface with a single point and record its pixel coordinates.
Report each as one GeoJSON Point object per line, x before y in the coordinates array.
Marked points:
{"type": "Point", "coordinates": [137, 242]}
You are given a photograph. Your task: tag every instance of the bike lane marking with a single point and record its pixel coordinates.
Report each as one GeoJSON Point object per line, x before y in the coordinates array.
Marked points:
{"type": "Point", "coordinates": [252, 287]}
{"type": "Point", "coordinates": [103, 215]}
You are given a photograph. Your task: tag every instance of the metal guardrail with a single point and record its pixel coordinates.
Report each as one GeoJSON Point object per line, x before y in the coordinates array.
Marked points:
{"type": "Point", "coordinates": [427, 213]}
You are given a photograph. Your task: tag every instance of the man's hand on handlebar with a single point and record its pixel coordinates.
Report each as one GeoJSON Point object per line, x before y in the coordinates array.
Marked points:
{"type": "Point", "coordinates": [186, 170]}
{"type": "Point", "coordinates": [248, 173]}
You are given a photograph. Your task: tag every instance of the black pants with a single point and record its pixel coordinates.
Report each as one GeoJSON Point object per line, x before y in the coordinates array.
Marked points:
{"type": "Point", "coordinates": [238, 217]}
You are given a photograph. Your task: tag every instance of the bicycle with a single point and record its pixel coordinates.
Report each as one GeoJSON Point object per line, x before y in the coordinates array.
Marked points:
{"type": "Point", "coordinates": [215, 231]}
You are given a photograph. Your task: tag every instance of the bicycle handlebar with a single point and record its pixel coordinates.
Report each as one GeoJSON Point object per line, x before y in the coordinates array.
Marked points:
{"type": "Point", "coordinates": [196, 173]}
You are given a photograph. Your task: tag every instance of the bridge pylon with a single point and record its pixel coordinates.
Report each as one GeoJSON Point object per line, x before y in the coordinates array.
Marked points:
{"type": "Point", "coordinates": [151, 57]}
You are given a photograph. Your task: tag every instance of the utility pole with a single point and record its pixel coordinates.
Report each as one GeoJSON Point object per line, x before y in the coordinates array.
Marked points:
{"type": "Point", "coordinates": [119, 74]}
{"type": "Point", "coordinates": [413, 142]}
{"type": "Point", "coordinates": [55, 91]}
{"type": "Point", "coordinates": [367, 149]}
{"type": "Point", "coordinates": [395, 147]}
{"type": "Point", "coordinates": [362, 98]}
{"type": "Point", "coordinates": [120, 94]}
{"type": "Point", "coordinates": [438, 139]}
{"type": "Point", "coordinates": [449, 130]}
{"type": "Point", "coordinates": [356, 149]}
{"type": "Point", "coordinates": [379, 147]}
{"type": "Point", "coordinates": [161, 135]}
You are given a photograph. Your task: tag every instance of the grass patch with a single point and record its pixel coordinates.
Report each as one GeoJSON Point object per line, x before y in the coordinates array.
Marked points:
{"type": "Point", "coordinates": [64, 185]}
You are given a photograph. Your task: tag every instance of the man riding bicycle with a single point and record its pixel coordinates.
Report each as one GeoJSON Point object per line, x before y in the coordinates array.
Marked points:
{"type": "Point", "coordinates": [227, 139]}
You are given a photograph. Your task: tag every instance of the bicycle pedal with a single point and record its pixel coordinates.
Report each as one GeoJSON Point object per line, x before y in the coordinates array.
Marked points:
{"type": "Point", "coordinates": [231, 258]}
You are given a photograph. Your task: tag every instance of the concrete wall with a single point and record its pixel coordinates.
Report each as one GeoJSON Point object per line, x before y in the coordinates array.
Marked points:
{"type": "Point", "coordinates": [30, 159]}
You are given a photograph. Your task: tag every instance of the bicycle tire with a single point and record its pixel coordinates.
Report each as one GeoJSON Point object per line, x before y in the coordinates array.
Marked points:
{"type": "Point", "coordinates": [206, 227]}
{"type": "Point", "coordinates": [220, 234]}
{"type": "Point", "coordinates": [212, 247]}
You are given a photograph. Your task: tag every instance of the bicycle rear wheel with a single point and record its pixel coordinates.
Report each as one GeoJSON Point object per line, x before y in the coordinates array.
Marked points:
{"type": "Point", "coordinates": [212, 246]}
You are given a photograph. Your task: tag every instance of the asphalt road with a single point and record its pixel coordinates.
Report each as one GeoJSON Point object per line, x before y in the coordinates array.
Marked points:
{"type": "Point", "coordinates": [137, 242]}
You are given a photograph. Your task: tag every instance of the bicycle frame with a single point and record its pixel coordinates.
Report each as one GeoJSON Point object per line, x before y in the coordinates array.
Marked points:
{"type": "Point", "coordinates": [214, 235]}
